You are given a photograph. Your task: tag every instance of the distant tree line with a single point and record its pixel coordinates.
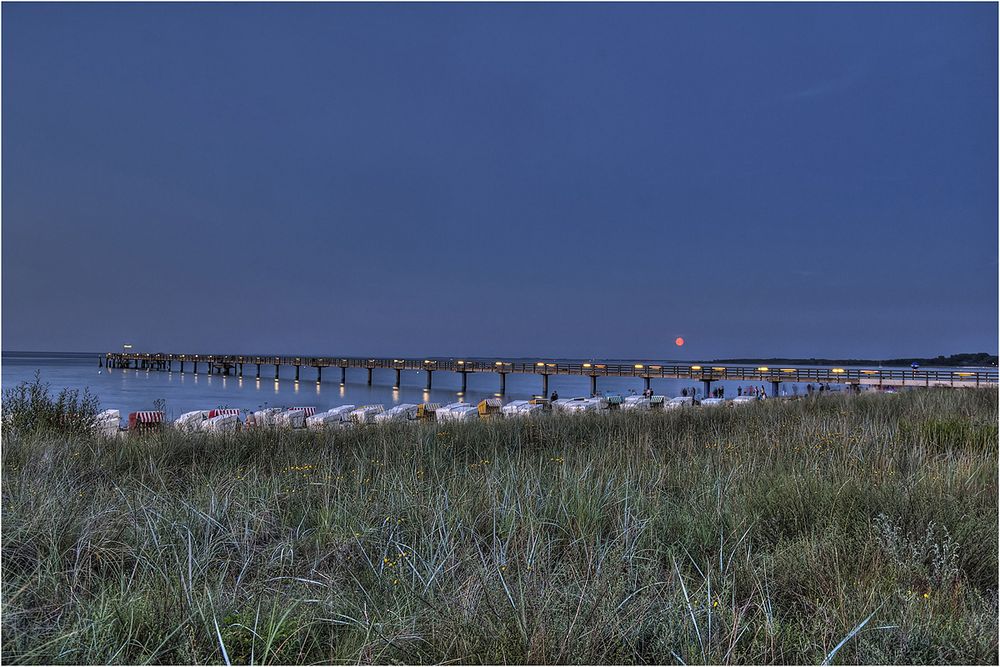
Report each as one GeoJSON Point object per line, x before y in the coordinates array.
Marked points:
{"type": "Point", "coordinates": [966, 359]}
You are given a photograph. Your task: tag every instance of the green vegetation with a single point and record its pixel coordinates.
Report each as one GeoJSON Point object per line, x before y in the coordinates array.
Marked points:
{"type": "Point", "coordinates": [957, 360]}
{"type": "Point", "coordinates": [30, 406]}
{"type": "Point", "coordinates": [769, 533]}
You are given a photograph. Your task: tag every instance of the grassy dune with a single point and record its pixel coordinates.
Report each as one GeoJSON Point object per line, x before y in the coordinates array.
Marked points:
{"type": "Point", "coordinates": [761, 534]}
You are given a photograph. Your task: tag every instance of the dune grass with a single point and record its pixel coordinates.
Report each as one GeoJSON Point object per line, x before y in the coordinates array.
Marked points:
{"type": "Point", "coordinates": [847, 529]}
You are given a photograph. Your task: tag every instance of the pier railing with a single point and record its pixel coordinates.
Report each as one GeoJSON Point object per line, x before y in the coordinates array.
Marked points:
{"type": "Point", "coordinates": [697, 372]}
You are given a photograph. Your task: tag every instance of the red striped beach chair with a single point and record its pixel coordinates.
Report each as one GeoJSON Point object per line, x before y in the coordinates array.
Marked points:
{"type": "Point", "coordinates": [144, 419]}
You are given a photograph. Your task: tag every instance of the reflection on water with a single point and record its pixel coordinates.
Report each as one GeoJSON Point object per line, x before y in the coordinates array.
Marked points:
{"type": "Point", "coordinates": [129, 390]}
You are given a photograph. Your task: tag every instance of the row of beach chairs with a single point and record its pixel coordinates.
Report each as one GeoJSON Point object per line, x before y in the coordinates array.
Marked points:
{"type": "Point", "coordinates": [223, 420]}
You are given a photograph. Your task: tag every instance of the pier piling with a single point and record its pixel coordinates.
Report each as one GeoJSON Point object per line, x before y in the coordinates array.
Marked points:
{"type": "Point", "coordinates": [593, 385]}
{"type": "Point", "coordinates": [233, 365]}
{"type": "Point", "coordinates": [427, 387]}
{"type": "Point", "coordinates": [396, 383]}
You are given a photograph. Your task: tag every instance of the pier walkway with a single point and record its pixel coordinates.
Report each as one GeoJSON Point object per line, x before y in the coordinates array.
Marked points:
{"type": "Point", "coordinates": [227, 364]}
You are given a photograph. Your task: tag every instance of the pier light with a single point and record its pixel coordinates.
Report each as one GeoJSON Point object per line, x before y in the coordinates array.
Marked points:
{"type": "Point", "coordinates": [696, 368]}
{"type": "Point", "coordinates": [540, 364]}
{"type": "Point", "coordinates": [656, 368]}
{"type": "Point", "coordinates": [638, 365]}
{"type": "Point", "coordinates": [838, 371]}
{"type": "Point", "coordinates": [552, 365]}
{"type": "Point", "coordinates": [461, 363]}
{"type": "Point", "coordinates": [870, 372]}
{"type": "Point", "coordinates": [964, 375]}
{"type": "Point", "coordinates": [600, 366]}
{"type": "Point", "coordinates": [586, 365]}
{"type": "Point", "coordinates": [718, 368]}
{"type": "Point", "coordinates": [499, 363]}
{"type": "Point", "coordinates": [763, 369]}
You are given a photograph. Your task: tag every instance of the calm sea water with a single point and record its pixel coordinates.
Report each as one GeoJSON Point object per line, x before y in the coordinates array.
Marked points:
{"type": "Point", "coordinates": [130, 390]}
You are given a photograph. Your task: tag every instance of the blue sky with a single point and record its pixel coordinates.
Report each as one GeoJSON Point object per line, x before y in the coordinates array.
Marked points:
{"type": "Point", "coordinates": [555, 180]}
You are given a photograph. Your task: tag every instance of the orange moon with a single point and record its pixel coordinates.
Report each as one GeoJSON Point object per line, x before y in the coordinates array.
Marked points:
{"type": "Point", "coordinates": [679, 341]}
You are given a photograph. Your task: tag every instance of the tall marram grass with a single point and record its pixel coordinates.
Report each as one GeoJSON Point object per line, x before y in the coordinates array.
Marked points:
{"type": "Point", "coordinates": [848, 529]}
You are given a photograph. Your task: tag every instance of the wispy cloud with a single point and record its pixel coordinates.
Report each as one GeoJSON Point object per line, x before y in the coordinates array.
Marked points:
{"type": "Point", "coordinates": [827, 87]}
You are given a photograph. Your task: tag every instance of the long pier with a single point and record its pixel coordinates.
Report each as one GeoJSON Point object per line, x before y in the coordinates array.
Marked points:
{"type": "Point", "coordinates": [227, 364]}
